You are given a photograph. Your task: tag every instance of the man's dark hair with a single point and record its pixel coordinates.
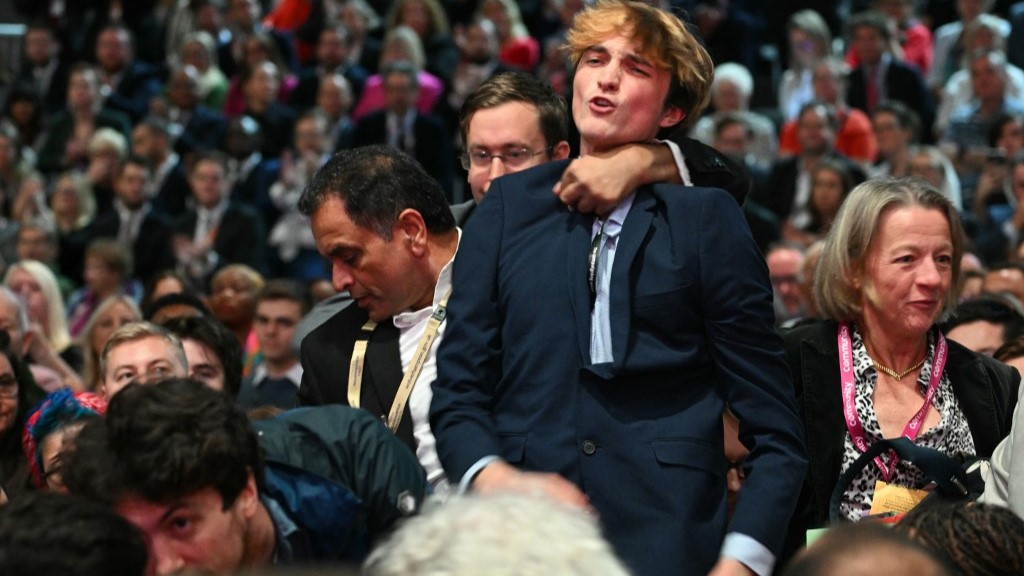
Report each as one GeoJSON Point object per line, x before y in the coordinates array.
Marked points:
{"type": "Point", "coordinates": [823, 108]}
{"type": "Point", "coordinates": [134, 160]}
{"type": "Point", "coordinates": [207, 330]}
{"type": "Point", "coordinates": [187, 298]}
{"type": "Point", "coordinates": [907, 118]}
{"type": "Point", "coordinates": [729, 119]}
{"type": "Point", "coordinates": [210, 156]}
{"type": "Point", "coordinates": [51, 533]}
{"type": "Point", "coordinates": [995, 130]}
{"type": "Point", "coordinates": [976, 539]}
{"type": "Point", "coordinates": [151, 283]}
{"type": "Point", "coordinates": [552, 113]}
{"type": "Point", "coordinates": [871, 19]}
{"type": "Point", "coordinates": [850, 548]}
{"type": "Point", "coordinates": [37, 24]}
{"type": "Point", "coordinates": [376, 183]}
{"type": "Point", "coordinates": [113, 255]}
{"type": "Point", "coordinates": [122, 29]}
{"type": "Point", "coordinates": [285, 289]}
{"type": "Point", "coordinates": [991, 309]}
{"type": "Point", "coordinates": [156, 125]}
{"type": "Point", "coordinates": [165, 440]}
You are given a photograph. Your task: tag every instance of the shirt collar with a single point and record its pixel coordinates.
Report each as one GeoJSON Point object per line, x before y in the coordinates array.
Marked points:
{"type": "Point", "coordinates": [441, 287]}
{"type": "Point", "coordinates": [47, 69]}
{"type": "Point", "coordinates": [293, 375]}
{"type": "Point", "coordinates": [406, 119]}
{"type": "Point", "coordinates": [215, 213]}
{"type": "Point", "coordinates": [125, 214]}
{"type": "Point", "coordinates": [612, 224]}
{"type": "Point", "coordinates": [166, 165]}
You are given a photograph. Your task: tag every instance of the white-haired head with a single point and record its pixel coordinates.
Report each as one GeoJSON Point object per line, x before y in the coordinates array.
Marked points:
{"type": "Point", "coordinates": [736, 80]}
{"type": "Point", "coordinates": [500, 535]}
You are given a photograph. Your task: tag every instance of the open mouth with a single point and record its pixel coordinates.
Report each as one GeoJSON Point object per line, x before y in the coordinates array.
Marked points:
{"type": "Point", "coordinates": [600, 104]}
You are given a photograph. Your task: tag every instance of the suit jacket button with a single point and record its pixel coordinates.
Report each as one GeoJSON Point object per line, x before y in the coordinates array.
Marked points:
{"type": "Point", "coordinates": [589, 447]}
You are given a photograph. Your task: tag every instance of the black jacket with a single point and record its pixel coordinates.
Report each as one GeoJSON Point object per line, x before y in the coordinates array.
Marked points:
{"type": "Point", "coordinates": [986, 391]}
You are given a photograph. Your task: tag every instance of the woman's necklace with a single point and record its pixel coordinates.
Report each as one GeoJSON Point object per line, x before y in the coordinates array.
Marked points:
{"type": "Point", "coordinates": [898, 376]}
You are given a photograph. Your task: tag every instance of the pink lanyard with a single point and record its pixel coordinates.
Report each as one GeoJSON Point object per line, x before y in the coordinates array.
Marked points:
{"type": "Point", "coordinates": [853, 424]}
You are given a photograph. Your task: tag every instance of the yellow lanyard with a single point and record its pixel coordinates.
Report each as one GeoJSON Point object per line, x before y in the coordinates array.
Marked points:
{"type": "Point", "coordinates": [355, 368]}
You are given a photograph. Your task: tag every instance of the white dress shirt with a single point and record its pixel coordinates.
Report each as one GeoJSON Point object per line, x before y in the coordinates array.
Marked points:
{"type": "Point", "coordinates": [411, 326]}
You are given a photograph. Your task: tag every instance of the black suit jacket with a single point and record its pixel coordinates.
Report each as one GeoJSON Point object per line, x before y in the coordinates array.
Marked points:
{"type": "Point", "coordinates": [903, 82]}
{"type": "Point", "coordinates": [276, 125]}
{"type": "Point", "coordinates": [369, 58]}
{"type": "Point", "coordinates": [173, 193]}
{"type": "Point", "coordinates": [254, 190]}
{"type": "Point", "coordinates": [433, 144]}
{"type": "Point", "coordinates": [240, 236]}
{"type": "Point", "coordinates": [152, 250]}
{"type": "Point", "coordinates": [986, 391]}
{"type": "Point", "coordinates": [709, 168]}
{"type": "Point", "coordinates": [56, 94]}
{"type": "Point", "coordinates": [58, 132]}
{"type": "Point", "coordinates": [326, 352]}
{"type": "Point", "coordinates": [779, 191]}
{"type": "Point", "coordinates": [203, 132]}
{"type": "Point", "coordinates": [138, 85]}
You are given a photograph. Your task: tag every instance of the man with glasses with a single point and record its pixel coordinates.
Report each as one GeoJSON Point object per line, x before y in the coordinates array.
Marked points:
{"type": "Point", "coordinates": [510, 123]}
{"type": "Point", "coordinates": [514, 121]}
{"type": "Point", "coordinates": [590, 358]}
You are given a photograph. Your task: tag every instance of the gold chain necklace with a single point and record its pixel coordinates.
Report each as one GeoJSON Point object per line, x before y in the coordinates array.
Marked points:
{"type": "Point", "coordinates": [898, 376]}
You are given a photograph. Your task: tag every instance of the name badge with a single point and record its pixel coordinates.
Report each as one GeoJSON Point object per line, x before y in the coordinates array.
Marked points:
{"type": "Point", "coordinates": [895, 499]}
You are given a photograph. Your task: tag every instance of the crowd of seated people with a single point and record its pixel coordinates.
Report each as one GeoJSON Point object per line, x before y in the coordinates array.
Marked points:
{"type": "Point", "coordinates": [154, 161]}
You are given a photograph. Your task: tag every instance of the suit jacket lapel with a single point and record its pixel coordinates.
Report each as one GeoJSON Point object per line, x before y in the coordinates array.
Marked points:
{"type": "Point", "coordinates": [577, 249]}
{"type": "Point", "coordinates": [634, 230]}
{"type": "Point", "coordinates": [384, 368]}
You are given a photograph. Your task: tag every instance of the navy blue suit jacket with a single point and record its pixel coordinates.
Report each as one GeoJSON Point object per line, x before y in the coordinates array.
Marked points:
{"type": "Point", "coordinates": [692, 328]}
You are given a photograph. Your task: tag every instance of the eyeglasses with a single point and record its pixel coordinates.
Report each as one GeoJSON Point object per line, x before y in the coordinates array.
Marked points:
{"type": "Point", "coordinates": [511, 156]}
{"type": "Point", "coordinates": [8, 386]}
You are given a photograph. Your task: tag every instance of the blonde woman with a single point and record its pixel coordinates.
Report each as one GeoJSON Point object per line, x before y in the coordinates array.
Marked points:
{"type": "Point", "coordinates": [401, 44]}
{"type": "Point", "coordinates": [110, 315]}
{"type": "Point", "coordinates": [50, 342]}
{"type": "Point", "coordinates": [428, 19]}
